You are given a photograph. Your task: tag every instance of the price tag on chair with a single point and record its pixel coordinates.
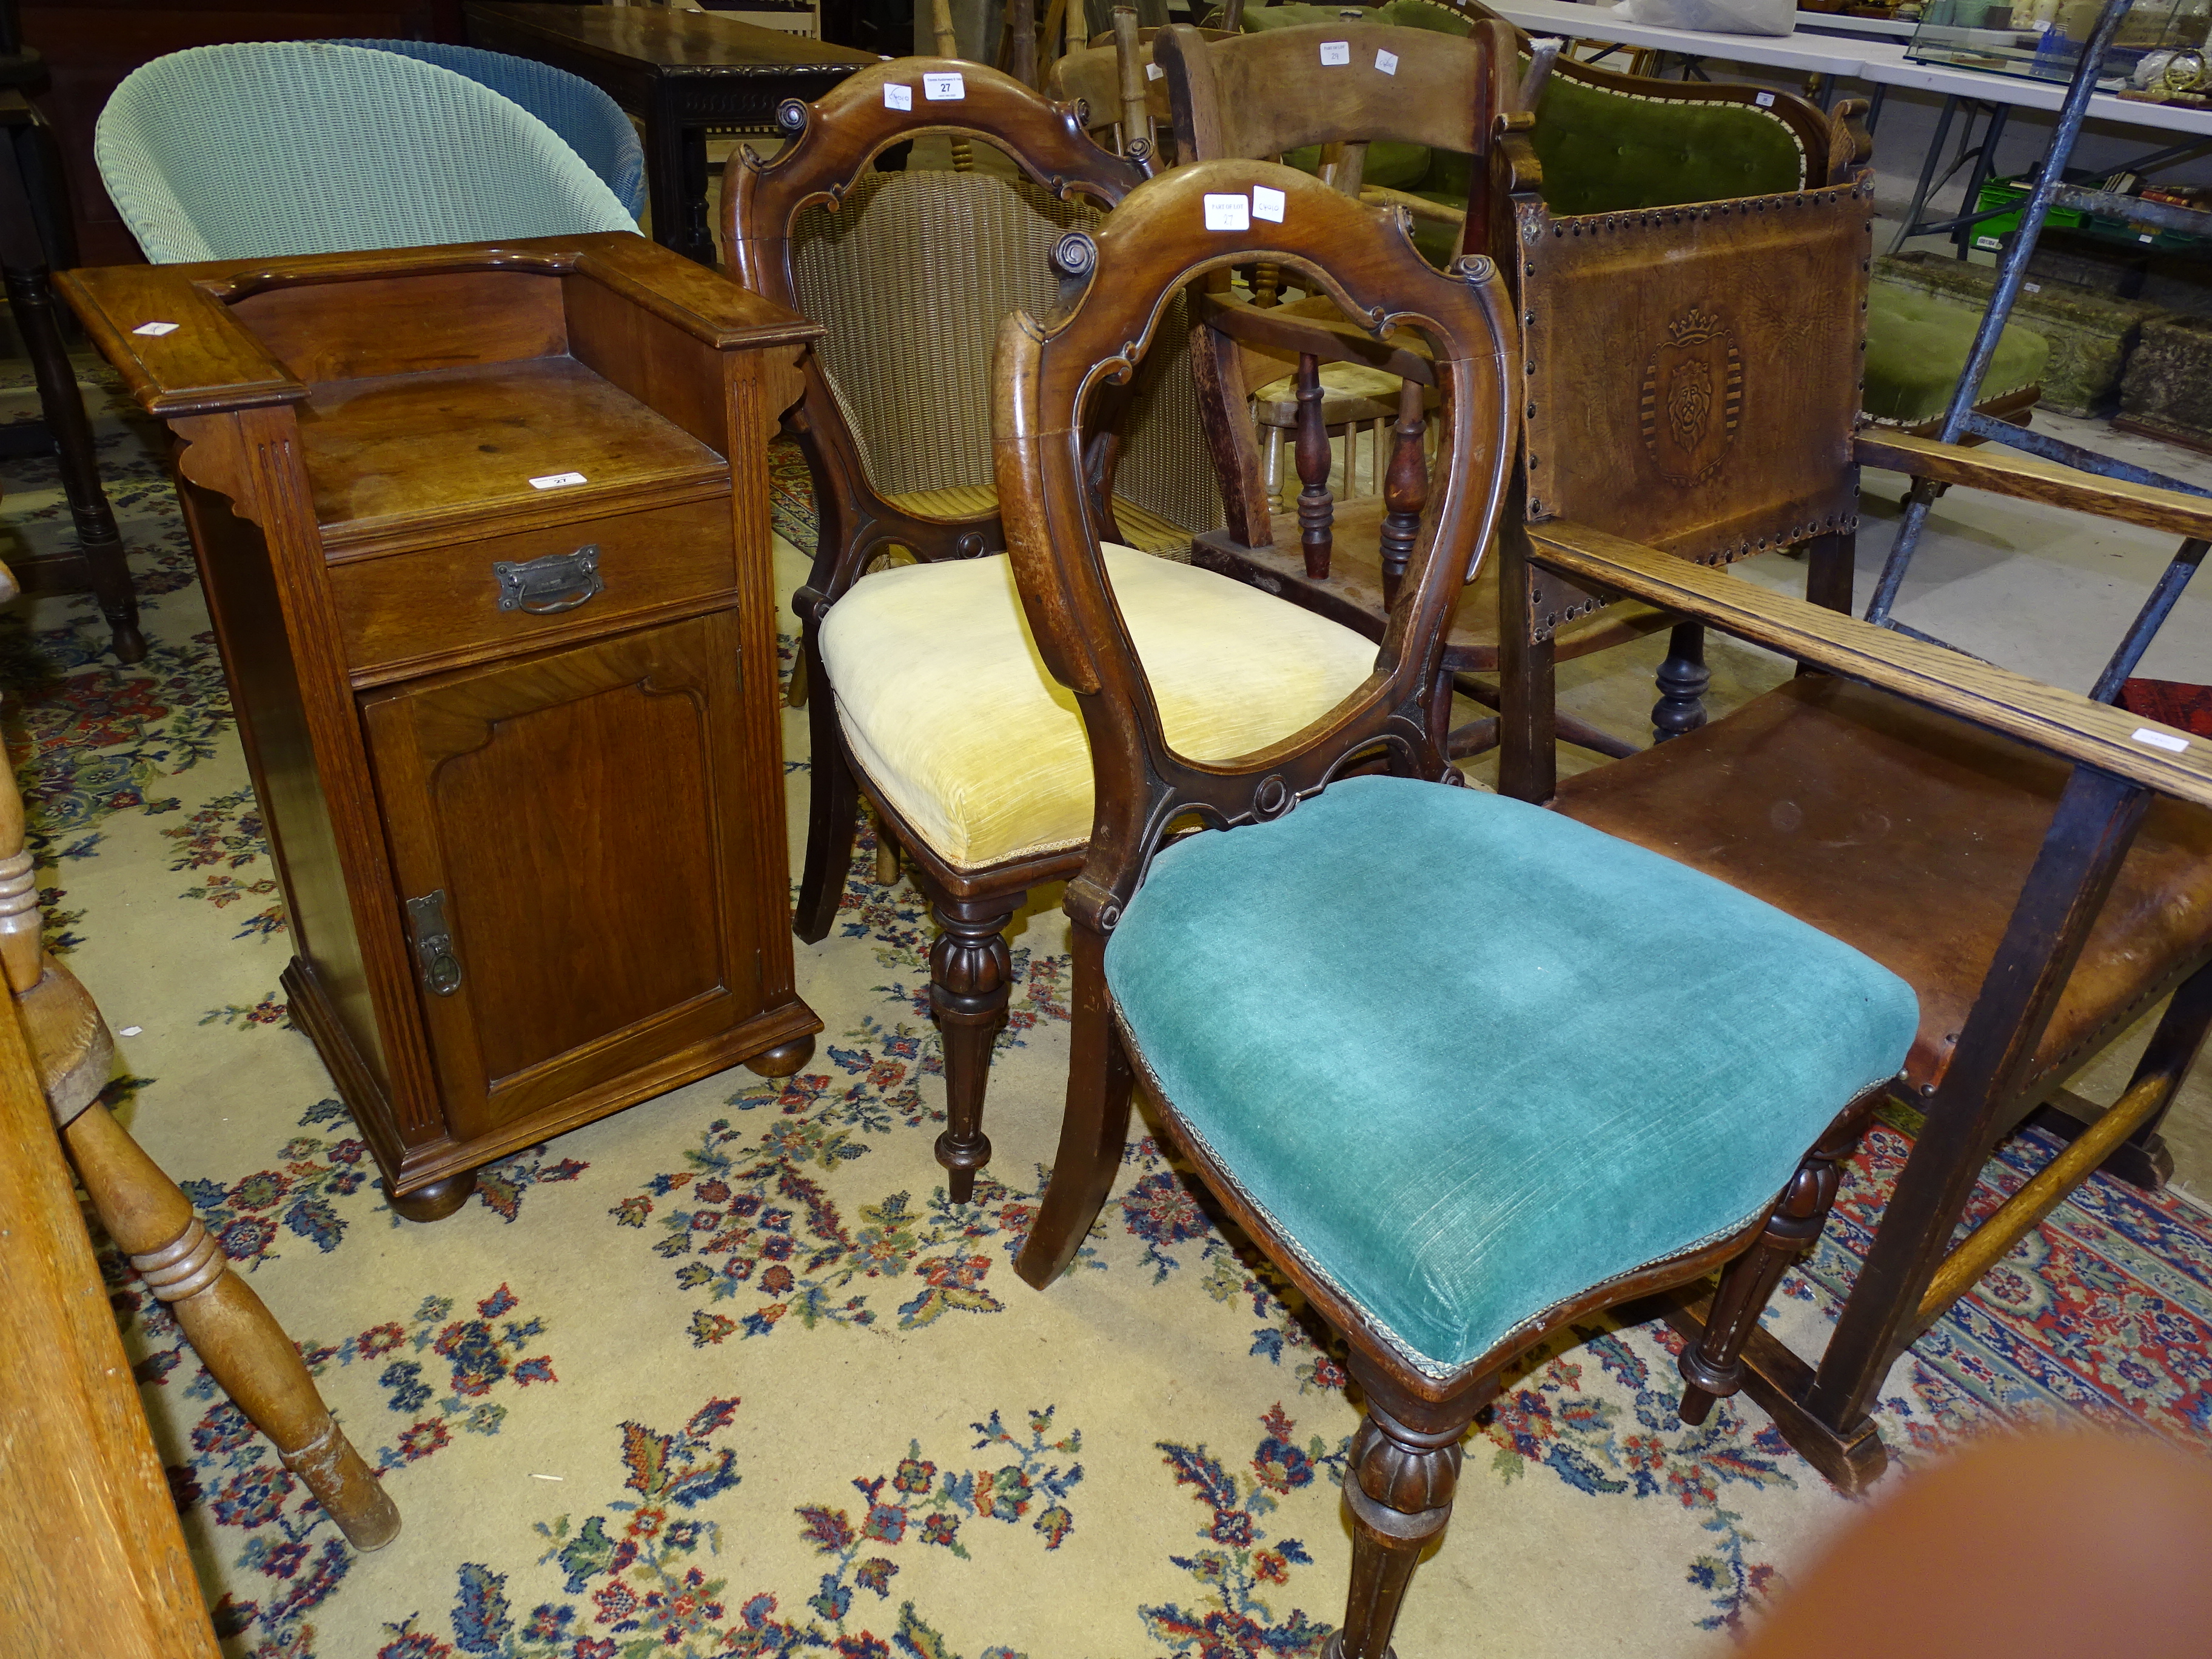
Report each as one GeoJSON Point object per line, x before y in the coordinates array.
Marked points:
{"type": "Point", "coordinates": [1336, 51]}
{"type": "Point", "coordinates": [1386, 62]}
{"type": "Point", "coordinates": [944, 88]}
{"type": "Point", "coordinates": [1226, 212]}
{"type": "Point", "coordinates": [1266, 204]}
{"type": "Point", "coordinates": [897, 96]}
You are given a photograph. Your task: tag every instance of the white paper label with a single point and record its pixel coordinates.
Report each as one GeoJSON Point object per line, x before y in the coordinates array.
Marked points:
{"type": "Point", "coordinates": [557, 480]}
{"type": "Point", "coordinates": [1386, 62]}
{"type": "Point", "coordinates": [2161, 740]}
{"type": "Point", "coordinates": [155, 328]}
{"type": "Point", "coordinates": [2030, 287]}
{"type": "Point", "coordinates": [1336, 51]}
{"type": "Point", "coordinates": [1266, 204]}
{"type": "Point", "coordinates": [1987, 242]}
{"type": "Point", "coordinates": [1153, 71]}
{"type": "Point", "coordinates": [1764, 100]}
{"type": "Point", "coordinates": [944, 88]}
{"type": "Point", "coordinates": [2145, 237]}
{"type": "Point", "coordinates": [897, 96]}
{"type": "Point", "coordinates": [1228, 212]}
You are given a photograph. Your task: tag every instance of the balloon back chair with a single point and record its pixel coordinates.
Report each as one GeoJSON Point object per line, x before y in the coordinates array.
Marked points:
{"type": "Point", "coordinates": [1463, 1070]}
{"type": "Point", "coordinates": [926, 693]}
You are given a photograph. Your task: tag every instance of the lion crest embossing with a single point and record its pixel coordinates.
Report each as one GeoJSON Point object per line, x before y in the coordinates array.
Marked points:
{"type": "Point", "coordinates": [1692, 397]}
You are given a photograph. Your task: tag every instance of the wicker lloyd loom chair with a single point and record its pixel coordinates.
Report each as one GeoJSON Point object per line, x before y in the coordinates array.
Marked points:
{"type": "Point", "coordinates": [1464, 1070]}
{"type": "Point", "coordinates": [925, 692]}
{"type": "Point", "coordinates": [237, 151]}
{"type": "Point", "coordinates": [587, 120]}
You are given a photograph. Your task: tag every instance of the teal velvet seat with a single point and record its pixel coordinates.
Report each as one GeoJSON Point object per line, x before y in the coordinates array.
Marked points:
{"type": "Point", "coordinates": [1464, 1113]}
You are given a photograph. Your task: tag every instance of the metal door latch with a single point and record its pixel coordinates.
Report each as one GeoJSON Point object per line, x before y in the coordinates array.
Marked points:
{"type": "Point", "coordinates": [434, 943]}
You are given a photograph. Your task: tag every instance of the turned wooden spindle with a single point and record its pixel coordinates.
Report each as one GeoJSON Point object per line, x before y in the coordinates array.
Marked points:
{"type": "Point", "coordinates": [1266, 286]}
{"type": "Point", "coordinates": [1129, 65]}
{"type": "Point", "coordinates": [1022, 42]}
{"type": "Point", "coordinates": [1405, 488]}
{"type": "Point", "coordinates": [237, 1338]}
{"type": "Point", "coordinates": [1316, 511]}
{"type": "Point", "coordinates": [1682, 680]}
{"type": "Point", "coordinates": [963, 156]}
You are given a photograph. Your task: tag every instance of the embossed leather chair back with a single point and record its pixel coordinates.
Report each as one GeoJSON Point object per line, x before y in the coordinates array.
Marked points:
{"type": "Point", "coordinates": [1692, 374]}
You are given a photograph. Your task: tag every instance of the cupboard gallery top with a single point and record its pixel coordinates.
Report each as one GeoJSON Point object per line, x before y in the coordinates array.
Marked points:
{"type": "Point", "coordinates": [484, 534]}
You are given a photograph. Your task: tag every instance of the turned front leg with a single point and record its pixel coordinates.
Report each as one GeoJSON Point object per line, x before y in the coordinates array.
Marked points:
{"type": "Point", "coordinates": [970, 979]}
{"type": "Point", "coordinates": [237, 1338]}
{"type": "Point", "coordinates": [1399, 1483]}
{"type": "Point", "coordinates": [1712, 1367]}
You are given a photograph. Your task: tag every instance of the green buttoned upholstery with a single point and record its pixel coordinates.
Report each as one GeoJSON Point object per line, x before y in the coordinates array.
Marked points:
{"type": "Point", "coordinates": [1611, 152]}
{"type": "Point", "coordinates": [1603, 151]}
{"type": "Point", "coordinates": [1473, 1057]}
{"type": "Point", "coordinates": [1916, 349]}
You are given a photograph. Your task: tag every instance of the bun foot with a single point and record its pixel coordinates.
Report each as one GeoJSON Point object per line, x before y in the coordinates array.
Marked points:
{"type": "Point", "coordinates": [435, 1201]}
{"type": "Point", "coordinates": [784, 1059]}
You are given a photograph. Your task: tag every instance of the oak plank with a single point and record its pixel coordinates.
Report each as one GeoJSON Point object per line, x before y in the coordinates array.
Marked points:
{"type": "Point", "coordinates": [2059, 722]}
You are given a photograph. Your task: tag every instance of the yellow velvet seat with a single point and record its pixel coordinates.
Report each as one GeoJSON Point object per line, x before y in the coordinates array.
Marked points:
{"type": "Point", "coordinates": [950, 713]}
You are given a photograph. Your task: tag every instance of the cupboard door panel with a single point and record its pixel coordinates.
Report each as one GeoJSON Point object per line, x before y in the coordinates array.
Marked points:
{"type": "Point", "coordinates": [574, 811]}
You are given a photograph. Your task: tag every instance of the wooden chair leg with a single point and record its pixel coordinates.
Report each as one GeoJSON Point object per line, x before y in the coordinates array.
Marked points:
{"type": "Point", "coordinates": [1399, 1485]}
{"type": "Point", "coordinates": [887, 854]}
{"type": "Point", "coordinates": [237, 1338]}
{"type": "Point", "coordinates": [1683, 677]}
{"type": "Point", "coordinates": [62, 404]}
{"type": "Point", "coordinates": [1712, 1367]}
{"type": "Point", "coordinates": [833, 808]}
{"type": "Point", "coordinates": [794, 694]}
{"type": "Point", "coordinates": [1094, 1127]}
{"type": "Point", "coordinates": [970, 975]}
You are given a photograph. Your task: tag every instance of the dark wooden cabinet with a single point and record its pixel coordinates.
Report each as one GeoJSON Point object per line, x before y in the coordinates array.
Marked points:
{"type": "Point", "coordinates": [485, 535]}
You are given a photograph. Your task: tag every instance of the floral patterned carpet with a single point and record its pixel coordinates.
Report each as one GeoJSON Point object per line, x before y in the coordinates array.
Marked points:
{"type": "Point", "coordinates": [725, 1374]}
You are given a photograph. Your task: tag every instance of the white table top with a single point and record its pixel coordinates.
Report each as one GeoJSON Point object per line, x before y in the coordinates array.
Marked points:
{"type": "Point", "coordinates": [1884, 63]}
{"type": "Point", "coordinates": [1814, 54]}
{"type": "Point", "coordinates": [1837, 22]}
{"type": "Point", "coordinates": [1881, 62]}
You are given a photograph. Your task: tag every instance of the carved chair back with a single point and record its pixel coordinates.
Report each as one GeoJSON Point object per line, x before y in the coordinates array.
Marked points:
{"type": "Point", "coordinates": [911, 273]}
{"type": "Point", "coordinates": [1046, 375]}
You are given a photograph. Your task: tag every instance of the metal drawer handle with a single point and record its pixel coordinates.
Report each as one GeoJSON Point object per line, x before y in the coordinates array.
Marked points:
{"type": "Point", "coordinates": [547, 587]}
{"type": "Point", "coordinates": [433, 943]}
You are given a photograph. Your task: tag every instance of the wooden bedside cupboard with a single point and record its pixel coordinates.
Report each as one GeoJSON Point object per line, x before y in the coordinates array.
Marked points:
{"type": "Point", "coordinates": [484, 534]}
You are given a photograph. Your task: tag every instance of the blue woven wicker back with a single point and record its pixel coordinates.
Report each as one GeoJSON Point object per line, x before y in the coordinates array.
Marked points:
{"type": "Point", "coordinates": [269, 149]}
{"type": "Point", "coordinates": [593, 124]}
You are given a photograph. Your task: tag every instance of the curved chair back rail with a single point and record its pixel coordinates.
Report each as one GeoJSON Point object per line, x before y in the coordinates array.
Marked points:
{"type": "Point", "coordinates": [1158, 243]}
{"type": "Point", "coordinates": [589, 122]}
{"type": "Point", "coordinates": [266, 148]}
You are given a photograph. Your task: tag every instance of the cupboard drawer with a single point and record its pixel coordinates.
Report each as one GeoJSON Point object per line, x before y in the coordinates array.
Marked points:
{"type": "Point", "coordinates": [433, 607]}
